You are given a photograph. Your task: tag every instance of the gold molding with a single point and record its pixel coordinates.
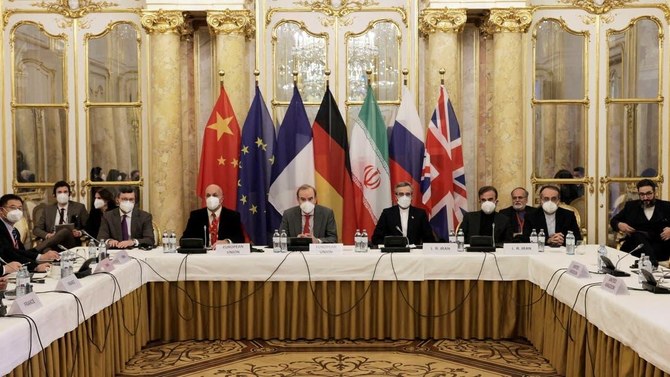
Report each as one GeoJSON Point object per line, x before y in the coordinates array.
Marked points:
{"type": "Point", "coordinates": [232, 22]}
{"type": "Point", "coordinates": [341, 12]}
{"type": "Point", "coordinates": [597, 7]}
{"type": "Point", "coordinates": [442, 20]}
{"type": "Point", "coordinates": [162, 21]}
{"type": "Point", "coordinates": [346, 7]}
{"type": "Point", "coordinates": [83, 7]}
{"type": "Point", "coordinates": [511, 20]}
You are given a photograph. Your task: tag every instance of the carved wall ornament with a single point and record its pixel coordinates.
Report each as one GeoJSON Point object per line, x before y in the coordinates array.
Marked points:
{"type": "Point", "coordinates": [512, 20]}
{"type": "Point", "coordinates": [597, 6]}
{"type": "Point", "coordinates": [443, 20]}
{"type": "Point", "coordinates": [162, 21]}
{"type": "Point", "coordinates": [232, 22]}
{"type": "Point", "coordinates": [336, 8]}
{"type": "Point", "coordinates": [74, 8]}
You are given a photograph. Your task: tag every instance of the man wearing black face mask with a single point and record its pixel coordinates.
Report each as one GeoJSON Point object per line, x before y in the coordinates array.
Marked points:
{"type": "Point", "coordinates": [645, 221]}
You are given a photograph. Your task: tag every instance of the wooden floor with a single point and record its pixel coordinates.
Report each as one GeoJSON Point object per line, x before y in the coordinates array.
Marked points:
{"type": "Point", "coordinates": [405, 358]}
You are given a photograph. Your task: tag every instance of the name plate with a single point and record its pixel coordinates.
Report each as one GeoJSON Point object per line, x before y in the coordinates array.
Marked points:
{"type": "Point", "coordinates": [440, 248]}
{"type": "Point", "coordinates": [69, 284]}
{"type": "Point", "coordinates": [614, 285]}
{"type": "Point", "coordinates": [121, 257]}
{"type": "Point", "coordinates": [524, 247]}
{"type": "Point", "coordinates": [25, 304]}
{"type": "Point", "coordinates": [326, 248]}
{"type": "Point", "coordinates": [232, 249]}
{"type": "Point", "coordinates": [578, 270]}
{"type": "Point", "coordinates": [104, 265]}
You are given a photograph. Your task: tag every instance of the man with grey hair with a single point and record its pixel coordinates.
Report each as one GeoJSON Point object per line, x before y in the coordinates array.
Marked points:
{"type": "Point", "coordinates": [308, 219]}
{"type": "Point", "coordinates": [519, 214]}
{"type": "Point", "coordinates": [403, 219]}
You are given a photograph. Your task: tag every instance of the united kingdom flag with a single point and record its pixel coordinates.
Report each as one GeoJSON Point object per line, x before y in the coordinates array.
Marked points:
{"type": "Point", "coordinates": [443, 176]}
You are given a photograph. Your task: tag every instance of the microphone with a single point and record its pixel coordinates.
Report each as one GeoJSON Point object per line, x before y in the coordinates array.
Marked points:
{"type": "Point", "coordinates": [399, 230]}
{"type": "Point", "coordinates": [638, 247]}
{"type": "Point", "coordinates": [95, 240]}
{"type": "Point", "coordinates": [204, 231]}
{"type": "Point", "coordinates": [493, 235]}
{"type": "Point", "coordinates": [62, 248]}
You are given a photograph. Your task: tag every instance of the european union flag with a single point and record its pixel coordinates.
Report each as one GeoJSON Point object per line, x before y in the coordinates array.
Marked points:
{"type": "Point", "coordinates": [256, 158]}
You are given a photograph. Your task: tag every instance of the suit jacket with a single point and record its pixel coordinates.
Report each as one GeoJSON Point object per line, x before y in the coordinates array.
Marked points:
{"type": "Point", "coordinates": [76, 213]}
{"type": "Point", "coordinates": [19, 254]}
{"type": "Point", "coordinates": [324, 228]}
{"type": "Point", "coordinates": [141, 227]}
{"type": "Point", "coordinates": [565, 221]}
{"type": "Point", "coordinates": [471, 223]}
{"type": "Point", "coordinates": [510, 212]}
{"type": "Point", "coordinates": [230, 225]}
{"type": "Point", "coordinates": [418, 227]}
{"type": "Point", "coordinates": [633, 215]}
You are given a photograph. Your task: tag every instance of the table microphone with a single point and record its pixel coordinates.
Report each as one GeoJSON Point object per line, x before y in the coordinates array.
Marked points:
{"type": "Point", "coordinates": [62, 248]}
{"type": "Point", "coordinates": [493, 235]}
{"type": "Point", "coordinates": [638, 247]}
{"type": "Point", "coordinates": [95, 240]}
{"type": "Point", "coordinates": [399, 230]}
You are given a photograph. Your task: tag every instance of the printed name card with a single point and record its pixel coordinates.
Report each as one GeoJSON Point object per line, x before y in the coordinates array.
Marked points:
{"type": "Point", "coordinates": [578, 270]}
{"type": "Point", "coordinates": [440, 248]}
{"type": "Point", "coordinates": [232, 249]}
{"type": "Point", "coordinates": [121, 257]}
{"type": "Point", "coordinates": [26, 304]}
{"type": "Point", "coordinates": [523, 247]}
{"type": "Point", "coordinates": [69, 284]}
{"type": "Point", "coordinates": [326, 248]}
{"type": "Point", "coordinates": [104, 265]}
{"type": "Point", "coordinates": [614, 285]}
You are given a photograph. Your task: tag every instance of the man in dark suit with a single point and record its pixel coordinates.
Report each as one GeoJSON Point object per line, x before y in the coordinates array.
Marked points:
{"type": "Point", "coordinates": [309, 219]}
{"type": "Point", "coordinates": [480, 223]}
{"type": "Point", "coordinates": [12, 250]}
{"type": "Point", "coordinates": [556, 221]}
{"type": "Point", "coordinates": [65, 211]}
{"type": "Point", "coordinates": [645, 221]}
{"type": "Point", "coordinates": [126, 226]}
{"type": "Point", "coordinates": [518, 214]}
{"type": "Point", "coordinates": [403, 219]}
{"type": "Point", "coordinates": [214, 223]}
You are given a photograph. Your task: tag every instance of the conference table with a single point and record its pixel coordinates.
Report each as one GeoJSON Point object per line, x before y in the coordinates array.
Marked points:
{"type": "Point", "coordinates": [580, 327]}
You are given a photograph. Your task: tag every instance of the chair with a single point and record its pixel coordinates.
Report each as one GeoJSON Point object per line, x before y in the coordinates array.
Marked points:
{"type": "Point", "coordinates": [158, 235]}
{"type": "Point", "coordinates": [578, 217]}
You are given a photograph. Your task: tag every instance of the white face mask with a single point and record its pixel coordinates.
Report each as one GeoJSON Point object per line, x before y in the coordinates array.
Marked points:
{"type": "Point", "coordinates": [14, 216]}
{"type": "Point", "coordinates": [307, 207]}
{"type": "Point", "coordinates": [404, 201]}
{"type": "Point", "coordinates": [488, 207]}
{"type": "Point", "coordinates": [127, 206]}
{"type": "Point", "coordinates": [62, 197]}
{"type": "Point", "coordinates": [98, 203]}
{"type": "Point", "coordinates": [213, 203]}
{"type": "Point", "coordinates": [549, 207]}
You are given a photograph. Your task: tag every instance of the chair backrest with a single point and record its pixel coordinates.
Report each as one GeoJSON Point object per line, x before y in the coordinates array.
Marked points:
{"type": "Point", "coordinates": [158, 235]}
{"type": "Point", "coordinates": [578, 217]}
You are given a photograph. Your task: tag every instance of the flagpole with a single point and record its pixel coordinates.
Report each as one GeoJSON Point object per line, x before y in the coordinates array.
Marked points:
{"type": "Point", "coordinates": [405, 72]}
{"type": "Point", "coordinates": [221, 74]}
{"type": "Point", "coordinates": [327, 73]}
{"type": "Point", "coordinates": [369, 73]}
{"type": "Point", "coordinates": [295, 78]}
{"type": "Point", "coordinates": [257, 73]}
{"type": "Point", "coordinates": [442, 71]}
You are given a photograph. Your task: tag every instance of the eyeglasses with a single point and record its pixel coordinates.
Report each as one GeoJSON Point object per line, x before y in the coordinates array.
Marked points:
{"type": "Point", "coordinates": [646, 194]}
{"type": "Point", "coordinates": [401, 194]}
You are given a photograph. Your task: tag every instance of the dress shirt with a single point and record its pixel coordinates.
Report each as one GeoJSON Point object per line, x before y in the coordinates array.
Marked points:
{"type": "Point", "coordinates": [649, 212]}
{"type": "Point", "coordinates": [65, 216]}
{"type": "Point", "coordinates": [311, 221]}
{"type": "Point", "coordinates": [128, 222]}
{"type": "Point", "coordinates": [216, 213]}
{"type": "Point", "coordinates": [551, 223]}
{"type": "Point", "coordinates": [404, 218]}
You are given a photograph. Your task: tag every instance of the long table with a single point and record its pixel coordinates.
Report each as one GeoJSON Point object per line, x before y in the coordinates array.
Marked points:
{"type": "Point", "coordinates": [377, 296]}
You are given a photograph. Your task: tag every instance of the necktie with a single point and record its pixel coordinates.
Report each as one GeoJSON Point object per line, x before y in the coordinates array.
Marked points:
{"type": "Point", "coordinates": [16, 237]}
{"type": "Point", "coordinates": [124, 228]}
{"type": "Point", "coordinates": [305, 229]}
{"type": "Point", "coordinates": [62, 216]}
{"type": "Point", "coordinates": [214, 229]}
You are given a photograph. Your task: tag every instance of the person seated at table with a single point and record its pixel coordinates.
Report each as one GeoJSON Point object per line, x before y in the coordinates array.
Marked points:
{"type": "Point", "coordinates": [481, 223]}
{"type": "Point", "coordinates": [308, 219]}
{"type": "Point", "coordinates": [214, 223]}
{"type": "Point", "coordinates": [126, 226]}
{"type": "Point", "coordinates": [403, 219]}
{"type": "Point", "coordinates": [645, 221]}
{"type": "Point", "coordinates": [518, 214]}
{"type": "Point", "coordinates": [104, 201]}
{"type": "Point", "coordinates": [11, 247]}
{"type": "Point", "coordinates": [556, 221]}
{"type": "Point", "coordinates": [64, 211]}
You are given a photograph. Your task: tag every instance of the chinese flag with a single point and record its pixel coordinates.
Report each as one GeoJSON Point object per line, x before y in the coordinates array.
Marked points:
{"type": "Point", "coordinates": [220, 156]}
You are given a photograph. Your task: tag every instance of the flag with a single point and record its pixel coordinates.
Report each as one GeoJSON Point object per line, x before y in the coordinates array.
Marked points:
{"type": "Point", "coordinates": [256, 156]}
{"type": "Point", "coordinates": [406, 146]}
{"type": "Point", "coordinates": [294, 159]}
{"type": "Point", "coordinates": [220, 151]}
{"type": "Point", "coordinates": [333, 167]}
{"type": "Point", "coordinates": [443, 180]}
{"type": "Point", "coordinates": [369, 164]}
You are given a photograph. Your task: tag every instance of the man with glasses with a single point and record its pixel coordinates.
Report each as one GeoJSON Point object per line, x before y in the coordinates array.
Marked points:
{"type": "Point", "coordinates": [556, 221]}
{"type": "Point", "coordinates": [518, 214]}
{"type": "Point", "coordinates": [482, 223]}
{"type": "Point", "coordinates": [403, 219]}
{"type": "Point", "coordinates": [126, 226]}
{"type": "Point", "coordinates": [645, 221]}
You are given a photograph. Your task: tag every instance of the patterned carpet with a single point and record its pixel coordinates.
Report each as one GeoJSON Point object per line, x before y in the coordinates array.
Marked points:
{"type": "Point", "coordinates": [407, 358]}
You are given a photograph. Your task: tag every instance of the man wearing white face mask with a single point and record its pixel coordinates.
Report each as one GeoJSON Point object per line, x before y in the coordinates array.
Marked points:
{"type": "Point", "coordinates": [214, 223]}
{"type": "Point", "coordinates": [65, 211]}
{"type": "Point", "coordinates": [403, 219]}
{"type": "Point", "coordinates": [309, 219]}
{"type": "Point", "coordinates": [556, 221]}
{"type": "Point", "coordinates": [126, 226]}
{"type": "Point", "coordinates": [480, 223]}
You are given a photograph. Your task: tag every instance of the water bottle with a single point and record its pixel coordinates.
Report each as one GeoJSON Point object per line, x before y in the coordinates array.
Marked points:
{"type": "Point", "coordinates": [602, 252]}
{"type": "Point", "coordinates": [640, 266]}
{"type": "Point", "coordinates": [570, 243]}
{"type": "Point", "coordinates": [283, 241]}
{"type": "Point", "coordinates": [65, 264]}
{"type": "Point", "coordinates": [173, 241]}
{"type": "Point", "coordinates": [276, 247]}
{"type": "Point", "coordinates": [364, 241]}
{"type": "Point", "coordinates": [166, 242]}
{"type": "Point", "coordinates": [22, 282]}
{"type": "Point", "coordinates": [357, 241]}
{"type": "Point", "coordinates": [460, 240]}
{"type": "Point", "coordinates": [452, 237]}
{"type": "Point", "coordinates": [541, 239]}
{"type": "Point", "coordinates": [102, 253]}
{"type": "Point", "coordinates": [92, 250]}
{"type": "Point", "coordinates": [533, 236]}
